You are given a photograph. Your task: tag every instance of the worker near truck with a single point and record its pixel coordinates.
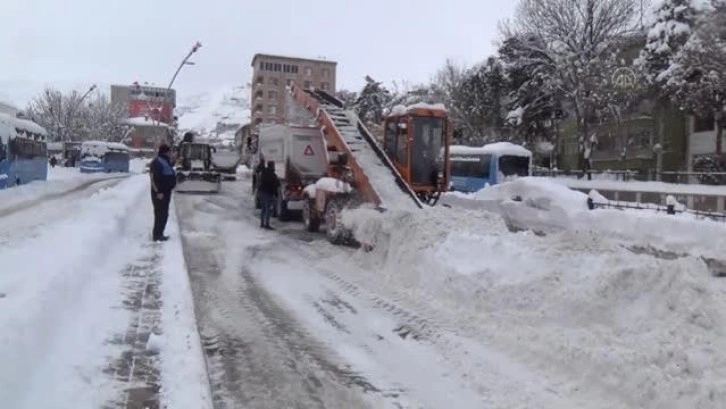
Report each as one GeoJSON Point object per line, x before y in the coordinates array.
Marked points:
{"type": "Point", "coordinates": [163, 181]}
{"type": "Point", "coordinates": [268, 186]}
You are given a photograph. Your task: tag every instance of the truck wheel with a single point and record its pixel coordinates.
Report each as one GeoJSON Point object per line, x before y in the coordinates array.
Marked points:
{"type": "Point", "coordinates": [311, 220]}
{"type": "Point", "coordinates": [335, 230]}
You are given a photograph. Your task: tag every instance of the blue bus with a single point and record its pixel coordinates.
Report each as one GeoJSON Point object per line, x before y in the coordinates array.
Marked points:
{"type": "Point", "coordinates": [23, 151]}
{"type": "Point", "coordinates": [474, 168]}
{"type": "Point", "coordinates": [105, 157]}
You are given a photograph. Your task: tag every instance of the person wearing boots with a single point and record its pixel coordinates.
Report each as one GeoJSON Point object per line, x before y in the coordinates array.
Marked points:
{"type": "Point", "coordinates": [269, 184]}
{"type": "Point", "coordinates": [163, 181]}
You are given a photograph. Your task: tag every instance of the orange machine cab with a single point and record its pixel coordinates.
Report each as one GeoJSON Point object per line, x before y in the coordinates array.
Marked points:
{"type": "Point", "coordinates": [417, 141]}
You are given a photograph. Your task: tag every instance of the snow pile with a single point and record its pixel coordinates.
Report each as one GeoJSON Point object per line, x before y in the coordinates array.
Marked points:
{"type": "Point", "coordinates": [544, 205]}
{"type": "Point", "coordinates": [216, 115]}
{"type": "Point", "coordinates": [573, 304]}
{"type": "Point", "coordinates": [526, 203]}
{"type": "Point", "coordinates": [539, 193]}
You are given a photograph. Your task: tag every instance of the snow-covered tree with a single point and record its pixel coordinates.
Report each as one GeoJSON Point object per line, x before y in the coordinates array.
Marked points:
{"type": "Point", "coordinates": [348, 97]}
{"type": "Point", "coordinates": [535, 100]}
{"type": "Point", "coordinates": [476, 98]}
{"type": "Point", "coordinates": [405, 93]}
{"type": "Point", "coordinates": [70, 118]}
{"type": "Point", "coordinates": [372, 100]}
{"type": "Point", "coordinates": [674, 23]}
{"type": "Point", "coordinates": [578, 36]}
{"type": "Point", "coordinates": [105, 121]}
{"type": "Point", "coordinates": [60, 114]}
{"type": "Point", "coordinates": [448, 83]}
{"type": "Point", "coordinates": [696, 79]}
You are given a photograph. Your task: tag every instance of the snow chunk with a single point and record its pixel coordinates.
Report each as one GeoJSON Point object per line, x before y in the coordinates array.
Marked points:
{"type": "Point", "coordinates": [329, 185]}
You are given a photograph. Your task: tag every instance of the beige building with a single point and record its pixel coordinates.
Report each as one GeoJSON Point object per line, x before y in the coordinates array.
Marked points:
{"type": "Point", "coordinates": [272, 73]}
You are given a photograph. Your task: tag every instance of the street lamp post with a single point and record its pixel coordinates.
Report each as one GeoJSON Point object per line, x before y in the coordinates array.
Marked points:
{"type": "Point", "coordinates": [184, 62]}
{"type": "Point", "coordinates": [73, 109]}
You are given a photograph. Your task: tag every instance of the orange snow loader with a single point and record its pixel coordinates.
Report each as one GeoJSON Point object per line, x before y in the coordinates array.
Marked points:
{"type": "Point", "coordinates": [359, 173]}
{"type": "Point", "coordinates": [417, 139]}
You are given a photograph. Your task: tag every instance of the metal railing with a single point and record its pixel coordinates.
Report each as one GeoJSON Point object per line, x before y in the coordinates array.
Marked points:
{"type": "Point", "coordinates": [668, 209]}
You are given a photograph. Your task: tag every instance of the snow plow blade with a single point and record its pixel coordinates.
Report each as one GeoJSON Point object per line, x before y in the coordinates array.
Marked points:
{"type": "Point", "coordinates": [198, 182]}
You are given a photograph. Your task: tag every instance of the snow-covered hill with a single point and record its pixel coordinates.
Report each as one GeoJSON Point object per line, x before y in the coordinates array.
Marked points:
{"type": "Point", "coordinates": [216, 114]}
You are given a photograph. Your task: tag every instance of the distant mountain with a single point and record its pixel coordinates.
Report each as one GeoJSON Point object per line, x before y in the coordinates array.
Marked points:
{"type": "Point", "coordinates": [217, 114]}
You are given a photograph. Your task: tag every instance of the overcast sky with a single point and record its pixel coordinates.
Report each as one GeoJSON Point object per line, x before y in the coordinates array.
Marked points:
{"type": "Point", "coordinates": [84, 41]}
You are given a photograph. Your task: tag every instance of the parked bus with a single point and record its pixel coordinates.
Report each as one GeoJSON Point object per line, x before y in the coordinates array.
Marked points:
{"type": "Point", "coordinates": [23, 151]}
{"type": "Point", "coordinates": [474, 168]}
{"type": "Point", "coordinates": [71, 154]}
{"type": "Point", "coordinates": [106, 157]}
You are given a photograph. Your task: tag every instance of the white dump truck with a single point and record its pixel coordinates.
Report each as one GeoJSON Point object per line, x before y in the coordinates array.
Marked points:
{"type": "Point", "coordinates": [300, 158]}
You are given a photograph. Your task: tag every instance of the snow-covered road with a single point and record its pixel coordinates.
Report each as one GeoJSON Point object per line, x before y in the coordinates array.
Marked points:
{"type": "Point", "coordinates": [453, 307]}
{"type": "Point", "coordinates": [287, 319]}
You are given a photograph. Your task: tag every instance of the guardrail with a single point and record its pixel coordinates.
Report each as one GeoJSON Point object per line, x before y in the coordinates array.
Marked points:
{"type": "Point", "coordinates": [670, 209]}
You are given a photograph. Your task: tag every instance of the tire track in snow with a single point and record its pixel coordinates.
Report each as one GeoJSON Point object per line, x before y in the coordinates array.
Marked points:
{"type": "Point", "coordinates": [30, 204]}
{"type": "Point", "coordinates": [46, 211]}
{"type": "Point", "coordinates": [257, 355]}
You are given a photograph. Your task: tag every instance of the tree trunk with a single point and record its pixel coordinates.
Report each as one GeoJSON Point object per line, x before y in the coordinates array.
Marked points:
{"type": "Point", "coordinates": [719, 139]}
{"type": "Point", "coordinates": [659, 152]}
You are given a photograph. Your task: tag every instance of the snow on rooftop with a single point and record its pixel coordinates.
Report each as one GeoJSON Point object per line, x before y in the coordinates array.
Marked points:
{"type": "Point", "coordinates": [9, 126]}
{"type": "Point", "coordinates": [143, 121]}
{"type": "Point", "coordinates": [100, 148]}
{"type": "Point", "coordinates": [497, 148]}
{"type": "Point", "coordinates": [405, 109]}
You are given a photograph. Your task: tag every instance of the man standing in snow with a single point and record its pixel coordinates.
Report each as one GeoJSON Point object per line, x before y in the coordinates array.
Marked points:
{"type": "Point", "coordinates": [163, 181]}
{"type": "Point", "coordinates": [268, 185]}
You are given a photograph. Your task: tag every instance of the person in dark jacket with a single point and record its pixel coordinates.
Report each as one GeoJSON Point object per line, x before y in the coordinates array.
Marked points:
{"type": "Point", "coordinates": [163, 181]}
{"type": "Point", "coordinates": [268, 186]}
{"type": "Point", "coordinates": [256, 175]}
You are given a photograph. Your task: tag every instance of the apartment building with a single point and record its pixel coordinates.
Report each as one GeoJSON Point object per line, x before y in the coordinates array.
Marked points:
{"type": "Point", "coordinates": [272, 73]}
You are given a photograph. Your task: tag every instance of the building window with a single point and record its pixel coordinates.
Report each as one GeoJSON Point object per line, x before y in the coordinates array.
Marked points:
{"type": "Point", "coordinates": [272, 110]}
{"type": "Point", "coordinates": [262, 66]}
{"type": "Point", "coordinates": [324, 86]}
{"type": "Point", "coordinates": [308, 71]}
{"type": "Point", "coordinates": [295, 69]}
{"type": "Point", "coordinates": [325, 72]}
{"type": "Point", "coordinates": [274, 81]}
{"type": "Point", "coordinates": [259, 94]}
{"type": "Point", "coordinates": [258, 108]}
{"type": "Point", "coordinates": [260, 79]}
{"type": "Point", "coordinates": [272, 94]}
{"type": "Point", "coordinates": [703, 124]}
